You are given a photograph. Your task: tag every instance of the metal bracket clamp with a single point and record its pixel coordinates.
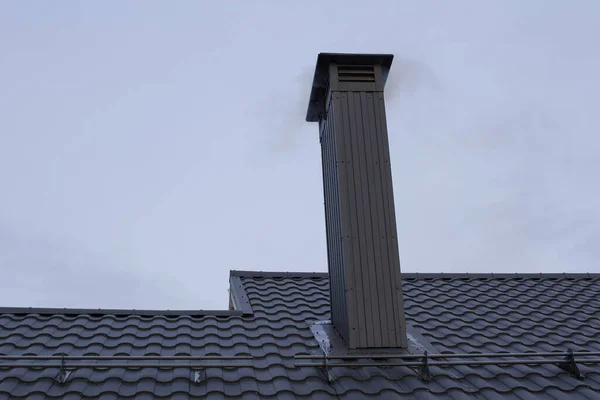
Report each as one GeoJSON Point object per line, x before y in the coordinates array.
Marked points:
{"type": "Point", "coordinates": [424, 370]}
{"type": "Point", "coordinates": [199, 375]}
{"type": "Point", "coordinates": [325, 347]}
{"type": "Point", "coordinates": [63, 373]}
{"type": "Point", "coordinates": [570, 366]}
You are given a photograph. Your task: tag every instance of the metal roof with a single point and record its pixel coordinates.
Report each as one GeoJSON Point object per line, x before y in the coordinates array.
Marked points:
{"type": "Point", "coordinates": [446, 313]}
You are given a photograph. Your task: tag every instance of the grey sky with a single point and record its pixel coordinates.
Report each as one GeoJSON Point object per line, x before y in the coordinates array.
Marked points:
{"type": "Point", "coordinates": [146, 150]}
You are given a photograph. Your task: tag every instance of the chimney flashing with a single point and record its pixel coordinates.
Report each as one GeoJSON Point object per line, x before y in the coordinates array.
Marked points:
{"type": "Point", "coordinates": [316, 104]}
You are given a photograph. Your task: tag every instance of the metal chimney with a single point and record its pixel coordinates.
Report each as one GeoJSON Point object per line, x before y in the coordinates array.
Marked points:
{"type": "Point", "coordinates": [364, 265]}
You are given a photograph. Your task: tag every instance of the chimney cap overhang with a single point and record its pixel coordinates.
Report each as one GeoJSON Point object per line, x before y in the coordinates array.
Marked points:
{"type": "Point", "coordinates": [317, 93]}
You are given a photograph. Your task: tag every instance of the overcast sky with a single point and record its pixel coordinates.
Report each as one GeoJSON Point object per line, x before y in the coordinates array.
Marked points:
{"type": "Point", "coordinates": [147, 148]}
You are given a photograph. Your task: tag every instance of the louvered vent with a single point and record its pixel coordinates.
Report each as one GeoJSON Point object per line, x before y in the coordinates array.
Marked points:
{"type": "Point", "coordinates": [356, 73]}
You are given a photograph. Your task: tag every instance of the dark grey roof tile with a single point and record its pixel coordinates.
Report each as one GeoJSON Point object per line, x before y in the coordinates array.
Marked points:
{"type": "Point", "coordinates": [233, 391]}
{"type": "Point", "coordinates": [8, 384]}
{"type": "Point", "coordinates": [197, 390]}
{"type": "Point", "coordinates": [248, 385]}
{"type": "Point", "coordinates": [214, 385]}
{"type": "Point", "coordinates": [53, 388]}
{"type": "Point", "coordinates": [166, 389]}
{"type": "Point", "coordinates": [419, 394]}
{"type": "Point", "coordinates": [21, 389]}
{"type": "Point", "coordinates": [491, 394]}
{"type": "Point", "coordinates": [455, 314]}
{"type": "Point", "coordinates": [146, 396]}
{"type": "Point", "coordinates": [588, 393]}
{"type": "Point", "coordinates": [290, 396]}
{"type": "Point", "coordinates": [75, 383]}
{"type": "Point", "coordinates": [182, 395]}
{"type": "Point", "coordinates": [248, 395]}
{"type": "Point", "coordinates": [108, 396]}
{"type": "Point", "coordinates": [526, 395]}
{"type": "Point", "coordinates": [43, 396]}
{"type": "Point", "coordinates": [282, 384]}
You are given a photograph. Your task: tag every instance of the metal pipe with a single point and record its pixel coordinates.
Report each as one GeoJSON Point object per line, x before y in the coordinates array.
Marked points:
{"type": "Point", "coordinates": [137, 358]}
{"type": "Point", "coordinates": [114, 365]}
{"type": "Point", "coordinates": [453, 355]}
{"type": "Point", "coordinates": [445, 363]}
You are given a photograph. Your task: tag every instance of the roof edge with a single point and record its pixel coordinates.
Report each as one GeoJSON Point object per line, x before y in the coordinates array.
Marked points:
{"type": "Point", "coordinates": [427, 275]}
{"type": "Point", "coordinates": [238, 293]}
{"type": "Point", "coordinates": [118, 312]}
{"type": "Point", "coordinates": [275, 274]}
{"type": "Point", "coordinates": [493, 275]}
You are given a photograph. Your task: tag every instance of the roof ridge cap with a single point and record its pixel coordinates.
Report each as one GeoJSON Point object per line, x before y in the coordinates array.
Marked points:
{"type": "Point", "coordinates": [278, 274]}
{"type": "Point", "coordinates": [502, 275]}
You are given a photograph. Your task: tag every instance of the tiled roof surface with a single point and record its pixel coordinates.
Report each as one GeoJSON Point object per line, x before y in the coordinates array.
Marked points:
{"type": "Point", "coordinates": [449, 314]}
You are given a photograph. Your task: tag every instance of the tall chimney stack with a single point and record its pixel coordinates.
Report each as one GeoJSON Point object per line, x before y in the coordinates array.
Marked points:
{"type": "Point", "coordinates": [362, 248]}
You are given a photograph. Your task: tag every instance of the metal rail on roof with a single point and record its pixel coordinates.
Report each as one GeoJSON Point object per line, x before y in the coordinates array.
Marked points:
{"type": "Point", "coordinates": [65, 370]}
{"type": "Point", "coordinates": [62, 361]}
{"type": "Point", "coordinates": [567, 363]}
{"type": "Point", "coordinates": [135, 358]}
{"type": "Point", "coordinates": [442, 355]}
{"type": "Point", "coordinates": [443, 363]}
{"type": "Point", "coordinates": [121, 365]}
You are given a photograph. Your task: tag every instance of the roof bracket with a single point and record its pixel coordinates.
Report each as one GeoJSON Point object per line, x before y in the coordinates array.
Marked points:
{"type": "Point", "coordinates": [424, 371]}
{"type": "Point", "coordinates": [325, 370]}
{"type": "Point", "coordinates": [63, 372]}
{"type": "Point", "coordinates": [326, 346]}
{"type": "Point", "coordinates": [199, 375]}
{"type": "Point", "coordinates": [570, 366]}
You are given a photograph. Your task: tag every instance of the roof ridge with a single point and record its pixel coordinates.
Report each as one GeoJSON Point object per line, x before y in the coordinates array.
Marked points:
{"type": "Point", "coordinates": [118, 312]}
{"type": "Point", "coordinates": [426, 275]}
{"type": "Point", "coordinates": [503, 275]}
{"type": "Point", "coordinates": [275, 274]}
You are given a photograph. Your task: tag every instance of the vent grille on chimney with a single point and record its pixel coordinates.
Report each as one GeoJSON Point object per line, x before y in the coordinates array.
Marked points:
{"type": "Point", "coordinates": [356, 73]}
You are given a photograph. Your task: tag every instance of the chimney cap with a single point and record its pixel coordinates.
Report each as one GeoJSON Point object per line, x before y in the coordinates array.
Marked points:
{"type": "Point", "coordinates": [317, 93]}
